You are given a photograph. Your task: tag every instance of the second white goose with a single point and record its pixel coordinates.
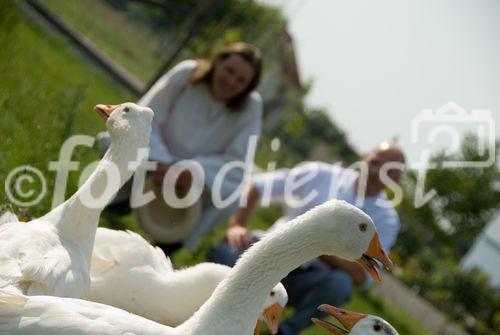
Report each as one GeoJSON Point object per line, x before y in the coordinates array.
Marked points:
{"type": "Point", "coordinates": [129, 273]}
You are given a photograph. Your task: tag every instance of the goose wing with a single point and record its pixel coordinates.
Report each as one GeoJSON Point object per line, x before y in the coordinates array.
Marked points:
{"type": "Point", "coordinates": [34, 261]}
{"type": "Point", "coordinates": [127, 249]}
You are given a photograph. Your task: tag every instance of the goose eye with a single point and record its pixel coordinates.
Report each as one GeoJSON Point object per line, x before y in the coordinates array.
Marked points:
{"type": "Point", "coordinates": [363, 227]}
{"type": "Point", "coordinates": [377, 327]}
{"type": "Point", "coordinates": [272, 293]}
{"type": "Point", "coordinates": [126, 109]}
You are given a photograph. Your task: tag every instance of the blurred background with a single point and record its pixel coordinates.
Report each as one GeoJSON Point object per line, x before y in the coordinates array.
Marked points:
{"type": "Point", "coordinates": [339, 77]}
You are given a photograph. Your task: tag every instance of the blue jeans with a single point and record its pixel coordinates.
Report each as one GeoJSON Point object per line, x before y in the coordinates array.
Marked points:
{"type": "Point", "coordinates": [307, 287]}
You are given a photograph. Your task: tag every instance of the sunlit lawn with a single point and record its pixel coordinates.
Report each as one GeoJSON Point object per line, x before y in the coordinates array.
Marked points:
{"type": "Point", "coordinates": [133, 45]}
{"type": "Point", "coordinates": [47, 93]}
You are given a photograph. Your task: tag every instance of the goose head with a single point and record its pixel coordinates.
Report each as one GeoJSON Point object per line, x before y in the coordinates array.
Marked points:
{"type": "Point", "coordinates": [355, 323]}
{"type": "Point", "coordinates": [127, 119]}
{"type": "Point", "coordinates": [273, 307]}
{"type": "Point", "coordinates": [356, 238]}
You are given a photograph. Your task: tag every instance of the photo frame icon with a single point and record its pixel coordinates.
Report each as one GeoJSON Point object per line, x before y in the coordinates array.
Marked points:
{"type": "Point", "coordinates": [446, 121]}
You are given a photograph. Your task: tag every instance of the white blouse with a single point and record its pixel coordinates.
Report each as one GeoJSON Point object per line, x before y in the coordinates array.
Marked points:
{"type": "Point", "coordinates": [190, 124]}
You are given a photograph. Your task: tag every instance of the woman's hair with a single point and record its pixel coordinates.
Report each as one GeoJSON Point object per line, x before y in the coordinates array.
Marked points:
{"type": "Point", "coordinates": [205, 69]}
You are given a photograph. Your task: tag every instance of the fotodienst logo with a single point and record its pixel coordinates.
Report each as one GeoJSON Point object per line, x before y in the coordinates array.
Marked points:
{"type": "Point", "coordinates": [443, 130]}
{"type": "Point", "coordinates": [446, 126]}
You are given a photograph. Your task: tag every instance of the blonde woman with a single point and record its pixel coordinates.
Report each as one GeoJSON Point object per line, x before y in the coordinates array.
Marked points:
{"type": "Point", "coordinates": [206, 111]}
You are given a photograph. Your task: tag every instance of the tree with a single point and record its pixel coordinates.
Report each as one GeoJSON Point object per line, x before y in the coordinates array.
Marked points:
{"type": "Point", "coordinates": [430, 251]}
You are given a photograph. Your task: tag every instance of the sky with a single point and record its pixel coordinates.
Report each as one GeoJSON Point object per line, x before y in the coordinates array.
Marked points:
{"type": "Point", "coordinates": [375, 65]}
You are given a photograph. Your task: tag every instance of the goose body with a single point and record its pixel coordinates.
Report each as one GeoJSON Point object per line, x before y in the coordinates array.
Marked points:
{"type": "Point", "coordinates": [51, 255]}
{"type": "Point", "coordinates": [129, 273]}
{"type": "Point", "coordinates": [333, 228]}
{"type": "Point", "coordinates": [355, 323]}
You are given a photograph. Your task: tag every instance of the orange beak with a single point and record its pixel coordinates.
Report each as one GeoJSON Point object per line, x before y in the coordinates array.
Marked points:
{"type": "Point", "coordinates": [375, 252]}
{"type": "Point", "coordinates": [346, 318]}
{"type": "Point", "coordinates": [272, 316]}
{"type": "Point", "coordinates": [104, 111]}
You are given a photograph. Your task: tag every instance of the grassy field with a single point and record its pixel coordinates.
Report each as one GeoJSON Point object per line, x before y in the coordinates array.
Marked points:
{"type": "Point", "coordinates": [134, 46]}
{"type": "Point", "coordinates": [47, 93]}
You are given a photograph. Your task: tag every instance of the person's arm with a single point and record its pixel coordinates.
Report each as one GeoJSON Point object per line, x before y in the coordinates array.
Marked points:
{"type": "Point", "coordinates": [270, 184]}
{"type": "Point", "coordinates": [237, 234]}
{"type": "Point", "coordinates": [354, 270]}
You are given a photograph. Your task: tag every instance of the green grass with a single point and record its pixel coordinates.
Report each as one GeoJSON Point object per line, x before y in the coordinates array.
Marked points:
{"type": "Point", "coordinates": [121, 36]}
{"type": "Point", "coordinates": [47, 93]}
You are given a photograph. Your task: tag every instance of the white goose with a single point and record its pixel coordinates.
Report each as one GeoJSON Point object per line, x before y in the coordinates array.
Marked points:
{"type": "Point", "coordinates": [129, 273]}
{"type": "Point", "coordinates": [333, 228]}
{"type": "Point", "coordinates": [51, 255]}
{"type": "Point", "coordinates": [355, 323]}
